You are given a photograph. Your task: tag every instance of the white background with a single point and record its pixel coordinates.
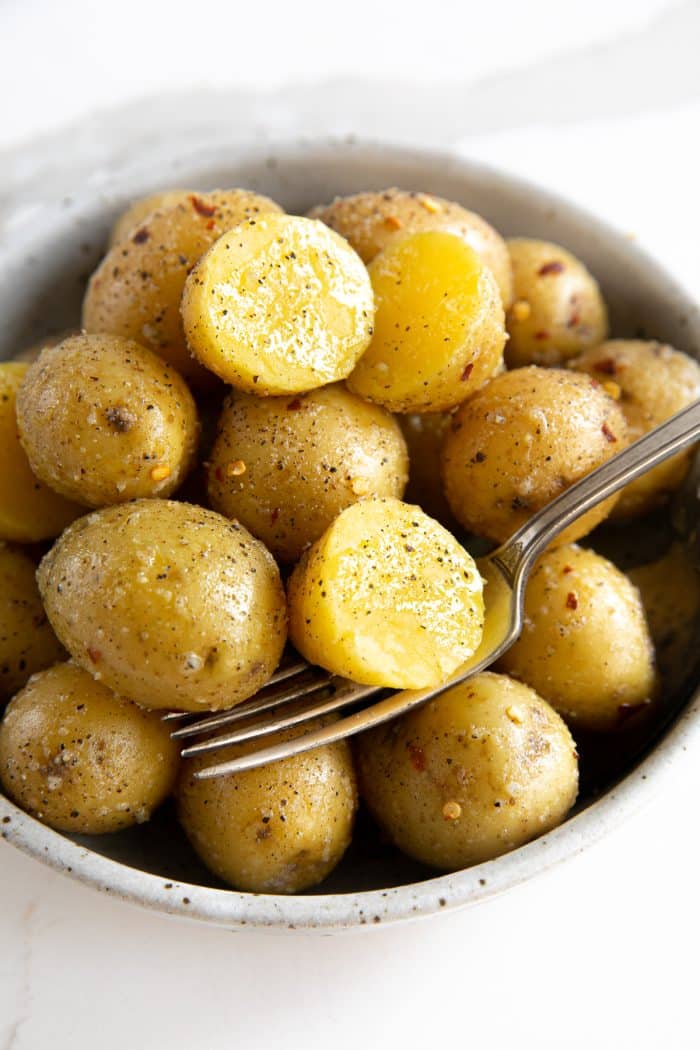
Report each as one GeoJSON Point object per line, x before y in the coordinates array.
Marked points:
{"type": "Point", "coordinates": [599, 100]}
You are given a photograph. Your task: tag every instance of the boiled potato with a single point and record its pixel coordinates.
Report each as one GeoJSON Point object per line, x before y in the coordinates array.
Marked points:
{"type": "Point", "coordinates": [481, 770]}
{"type": "Point", "coordinates": [585, 645]}
{"type": "Point", "coordinates": [286, 467]}
{"type": "Point", "coordinates": [655, 381]}
{"type": "Point", "coordinates": [142, 209]}
{"type": "Point", "coordinates": [29, 510]}
{"type": "Point", "coordinates": [439, 329]}
{"type": "Point", "coordinates": [371, 221]}
{"type": "Point", "coordinates": [387, 597]}
{"type": "Point", "coordinates": [278, 829]}
{"type": "Point", "coordinates": [523, 439]}
{"type": "Point", "coordinates": [424, 436]}
{"type": "Point", "coordinates": [279, 305]}
{"type": "Point", "coordinates": [558, 309]}
{"type": "Point", "coordinates": [27, 643]}
{"type": "Point", "coordinates": [136, 290]}
{"type": "Point", "coordinates": [670, 593]}
{"type": "Point", "coordinates": [81, 759]}
{"type": "Point", "coordinates": [168, 604]}
{"type": "Point", "coordinates": [103, 420]}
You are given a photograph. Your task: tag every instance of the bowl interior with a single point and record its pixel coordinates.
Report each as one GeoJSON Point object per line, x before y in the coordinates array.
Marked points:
{"type": "Point", "coordinates": [50, 250]}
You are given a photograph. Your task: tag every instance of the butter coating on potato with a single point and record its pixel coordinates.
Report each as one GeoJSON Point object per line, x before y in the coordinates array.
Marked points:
{"type": "Point", "coordinates": [168, 604]}
{"type": "Point", "coordinates": [477, 772]}
{"type": "Point", "coordinates": [286, 466]}
{"type": "Point", "coordinates": [104, 420]}
{"type": "Point", "coordinates": [141, 209]}
{"type": "Point", "coordinates": [386, 597]}
{"type": "Point", "coordinates": [520, 441]}
{"type": "Point", "coordinates": [136, 290]}
{"type": "Point", "coordinates": [439, 327]}
{"type": "Point", "coordinates": [585, 646]}
{"type": "Point", "coordinates": [30, 511]}
{"type": "Point", "coordinates": [653, 382]}
{"type": "Point", "coordinates": [372, 221]}
{"type": "Point", "coordinates": [81, 759]}
{"type": "Point", "coordinates": [279, 305]}
{"type": "Point", "coordinates": [278, 829]}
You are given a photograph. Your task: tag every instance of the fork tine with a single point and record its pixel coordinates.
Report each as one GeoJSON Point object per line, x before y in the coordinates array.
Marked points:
{"type": "Point", "coordinates": [346, 693]}
{"type": "Point", "coordinates": [280, 675]}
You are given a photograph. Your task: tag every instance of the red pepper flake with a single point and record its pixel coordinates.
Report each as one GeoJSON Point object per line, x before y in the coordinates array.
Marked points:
{"type": "Point", "coordinates": [567, 569]}
{"type": "Point", "coordinates": [95, 655]}
{"type": "Point", "coordinates": [607, 367]}
{"type": "Point", "coordinates": [609, 436]}
{"type": "Point", "coordinates": [201, 207]}
{"type": "Point", "coordinates": [141, 236]}
{"type": "Point", "coordinates": [274, 514]}
{"type": "Point", "coordinates": [574, 320]}
{"type": "Point", "coordinates": [551, 268]}
{"type": "Point", "coordinates": [417, 756]}
{"type": "Point", "coordinates": [211, 224]}
{"type": "Point", "coordinates": [468, 369]}
{"type": "Point", "coordinates": [571, 601]}
{"type": "Point", "coordinates": [295, 404]}
{"type": "Point", "coordinates": [542, 334]}
{"type": "Point", "coordinates": [219, 474]}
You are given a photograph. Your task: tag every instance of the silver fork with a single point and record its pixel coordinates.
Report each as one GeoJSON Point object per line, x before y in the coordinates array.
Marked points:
{"type": "Point", "coordinates": [505, 572]}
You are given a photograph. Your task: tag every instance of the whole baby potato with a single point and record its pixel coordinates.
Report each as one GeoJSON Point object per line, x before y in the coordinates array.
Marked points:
{"type": "Point", "coordinates": [286, 467]}
{"type": "Point", "coordinates": [279, 305]}
{"type": "Point", "coordinates": [136, 290]}
{"type": "Point", "coordinates": [81, 759]}
{"type": "Point", "coordinates": [27, 643]}
{"type": "Point", "coordinates": [438, 328]}
{"type": "Point", "coordinates": [29, 510]}
{"type": "Point", "coordinates": [103, 420]}
{"type": "Point", "coordinates": [373, 220]}
{"type": "Point", "coordinates": [168, 604]}
{"type": "Point", "coordinates": [141, 209]}
{"type": "Point", "coordinates": [655, 381]}
{"type": "Point", "coordinates": [585, 645]}
{"type": "Point", "coordinates": [483, 769]}
{"type": "Point", "coordinates": [520, 441]}
{"type": "Point", "coordinates": [277, 829]}
{"type": "Point", "coordinates": [558, 309]}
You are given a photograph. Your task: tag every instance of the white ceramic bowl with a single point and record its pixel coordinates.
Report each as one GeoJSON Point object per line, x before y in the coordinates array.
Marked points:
{"type": "Point", "coordinates": [48, 251]}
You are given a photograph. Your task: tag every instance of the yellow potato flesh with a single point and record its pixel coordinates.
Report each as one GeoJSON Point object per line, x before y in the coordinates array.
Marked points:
{"type": "Point", "coordinates": [387, 597]}
{"type": "Point", "coordinates": [279, 305]}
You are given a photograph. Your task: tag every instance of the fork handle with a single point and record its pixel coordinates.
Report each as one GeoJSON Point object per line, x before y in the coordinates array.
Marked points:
{"type": "Point", "coordinates": [516, 556]}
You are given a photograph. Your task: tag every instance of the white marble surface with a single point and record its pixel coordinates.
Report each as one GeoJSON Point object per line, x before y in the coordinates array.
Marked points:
{"type": "Point", "coordinates": [600, 100]}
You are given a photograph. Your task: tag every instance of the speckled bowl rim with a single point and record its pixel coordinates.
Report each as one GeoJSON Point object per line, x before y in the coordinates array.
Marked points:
{"type": "Point", "coordinates": [341, 911]}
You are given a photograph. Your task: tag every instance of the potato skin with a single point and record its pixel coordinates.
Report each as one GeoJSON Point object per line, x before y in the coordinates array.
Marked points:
{"type": "Point", "coordinates": [168, 604]}
{"type": "Point", "coordinates": [386, 597]}
{"type": "Point", "coordinates": [372, 221]}
{"type": "Point", "coordinates": [558, 309]}
{"type": "Point", "coordinates": [655, 382]}
{"type": "Point", "coordinates": [438, 327]}
{"type": "Point", "coordinates": [139, 211]}
{"type": "Point", "coordinates": [104, 420]}
{"type": "Point", "coordinates": [477, 772]}
{"type": "Point", "coordinates": [29, 510]}
{"type": "Point", "coordinates": [278, 829]}
{"type": "Point", "coordinates": [27, 642]}
{"type": "Point", "coordinates": [81, 759]}
{"type": "Point", "coordinates": [286, 466]}
{"type": "Point", "coordinates": [520, 441]}
{"type": "Point", "coordinates": [424, 436]}
{"type": "Point", "coordinates": [585, 645]}
{"type": "Point", "coordinates": [136, 290]}
{"type": "Point", "coordinates": [280, 305]}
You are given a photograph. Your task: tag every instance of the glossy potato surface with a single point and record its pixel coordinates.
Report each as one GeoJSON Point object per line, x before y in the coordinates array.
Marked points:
{"type": "Point", "coordinates": [279, 305]}
{"type": "Point", "coordinates": [655, 381]}
{"type": "Point", "coordinates": [104, 420]}
{"type": "Point", "coordinates": [141, 209]}
{"type": "Point", "coordinates": [520, 441]}
{"type": "Point", "coordinates": [558, 310]}
{"type": "Point", "coordinates": [29, 510]}
{"type": "Point", "coordinates": [386, 596]}
{"type": "Point", "coordinates": [477, 772]}
{"type": "Point", "coordinates": [286, 466]}
{"type": "Point", "coordinates": [278, 829]}
{"type": "Point", "coordinates": [136, 290]}
{"type": "Point", "coordinates": [371, 221]}
{"type": "Point", "coordinates": [81, 759]}
{"type": "Point", "coordinates": [670, 593]}
{"type": "Point", "coordinates": [27, 642]}
{"type": "Point", "coordinates": [438, 329]}
{"type": "Point", "coordinates": [585, 645]}
{"type": "Point", "coordinates": [166, 603]}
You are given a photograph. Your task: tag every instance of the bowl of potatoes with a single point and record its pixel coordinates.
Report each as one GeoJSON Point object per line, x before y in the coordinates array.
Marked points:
{"type": "Point", "coordinates": [256, 405]}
